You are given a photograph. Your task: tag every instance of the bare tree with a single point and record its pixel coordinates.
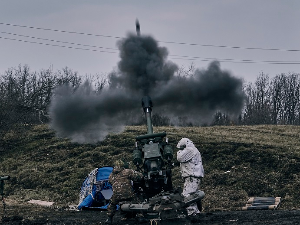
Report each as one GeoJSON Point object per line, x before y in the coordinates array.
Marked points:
{"type": "Point", "coordinates": [26, 95]}
{"type": "Point", "coordinates": [277, 94]}
{"type": "Point", "coordinates": [257, 108]}
{"type": "Point", "coordinates": [291, 98]}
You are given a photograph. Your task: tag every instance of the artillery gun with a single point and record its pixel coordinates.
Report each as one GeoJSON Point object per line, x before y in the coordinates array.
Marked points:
{"type": "Point", "coordinates": [153, 157]}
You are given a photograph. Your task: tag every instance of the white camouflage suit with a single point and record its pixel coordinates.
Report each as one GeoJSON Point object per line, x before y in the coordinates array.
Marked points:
{"type": "Point", "coordinates": [191, 169]}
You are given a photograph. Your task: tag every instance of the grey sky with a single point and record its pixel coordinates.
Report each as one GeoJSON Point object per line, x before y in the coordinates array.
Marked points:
{"type": "Point", "coordinates": [263, 24]}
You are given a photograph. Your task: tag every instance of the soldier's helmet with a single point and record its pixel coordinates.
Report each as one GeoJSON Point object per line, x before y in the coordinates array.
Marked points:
{"type": "Point", "coordinates": [121, 164]}
{"type": "Point", "coordinates": [185, 142]}
{"type": "Point", "coordinates": [118, 164]}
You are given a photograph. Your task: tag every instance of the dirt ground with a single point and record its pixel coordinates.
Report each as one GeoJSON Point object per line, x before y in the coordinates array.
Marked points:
{"type": "Point", "coordinates": [29, 214]}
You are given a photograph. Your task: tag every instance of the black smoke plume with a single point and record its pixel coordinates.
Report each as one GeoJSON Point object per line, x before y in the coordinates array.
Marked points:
{"type": "Point", "coordinates": [199, 96]}
{"type": "Point", "coordinates": [143, 66]}
{"type": "Point", "coordinates": [86, 116]}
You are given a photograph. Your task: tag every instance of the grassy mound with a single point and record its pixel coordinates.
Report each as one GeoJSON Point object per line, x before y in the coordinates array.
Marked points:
{"type": "Point", "coordinates": [239, 162]}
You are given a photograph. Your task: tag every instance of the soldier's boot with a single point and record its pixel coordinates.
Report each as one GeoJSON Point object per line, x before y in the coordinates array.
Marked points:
{"type": "Point", "coordinates": [109, 220]}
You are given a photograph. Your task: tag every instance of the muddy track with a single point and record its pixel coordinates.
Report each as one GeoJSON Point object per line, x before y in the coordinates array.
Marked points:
{"type": "Point", "coordinates": [36, 215]}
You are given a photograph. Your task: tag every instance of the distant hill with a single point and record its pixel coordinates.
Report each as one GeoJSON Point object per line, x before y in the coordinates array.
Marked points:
{"type": "Point", "coordinates": [239, 162]}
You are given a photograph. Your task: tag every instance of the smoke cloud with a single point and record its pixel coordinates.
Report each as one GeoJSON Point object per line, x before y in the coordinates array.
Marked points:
{"type": "Point", "coordinates": [198, 97]}
{"type": "Point", "coordinates": [143, 66]}
{"type": "Point", "coordinates": [86, 116]}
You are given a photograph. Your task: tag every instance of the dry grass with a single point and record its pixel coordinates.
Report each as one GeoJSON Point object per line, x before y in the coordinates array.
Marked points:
{"type": "Point", "coordinates": [239, 162]}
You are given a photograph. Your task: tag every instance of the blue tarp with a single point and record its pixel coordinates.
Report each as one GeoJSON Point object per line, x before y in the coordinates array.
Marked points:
{"type": "Point", "coordinates": [96, 190]}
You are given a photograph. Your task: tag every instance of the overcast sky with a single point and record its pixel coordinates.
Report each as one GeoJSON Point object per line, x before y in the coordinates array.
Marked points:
{"type": "Point", "coordinates": [262, 24]}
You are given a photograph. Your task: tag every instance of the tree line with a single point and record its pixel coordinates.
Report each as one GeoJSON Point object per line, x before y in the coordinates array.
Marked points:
{"type": "Point", "coordinates": [273, 101]}
{"type": "Point", "coordinates": [25, 96]}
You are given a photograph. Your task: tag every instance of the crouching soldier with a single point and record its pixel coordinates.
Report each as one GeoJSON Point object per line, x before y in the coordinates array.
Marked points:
{"type": "Point", "coordinates": [191, 169]}
{"type": "Point", "coordinates": [120, 179]}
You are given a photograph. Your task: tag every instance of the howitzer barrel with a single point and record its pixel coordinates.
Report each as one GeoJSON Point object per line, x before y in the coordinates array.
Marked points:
{"type": "Point", "coordinates": [147, 106]}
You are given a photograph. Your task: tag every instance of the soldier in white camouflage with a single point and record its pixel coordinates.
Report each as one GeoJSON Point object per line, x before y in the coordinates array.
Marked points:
{"type": "Point", "coordinates": [191, 169]}
{"type": "Point", "coordinates": [121, 179]}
